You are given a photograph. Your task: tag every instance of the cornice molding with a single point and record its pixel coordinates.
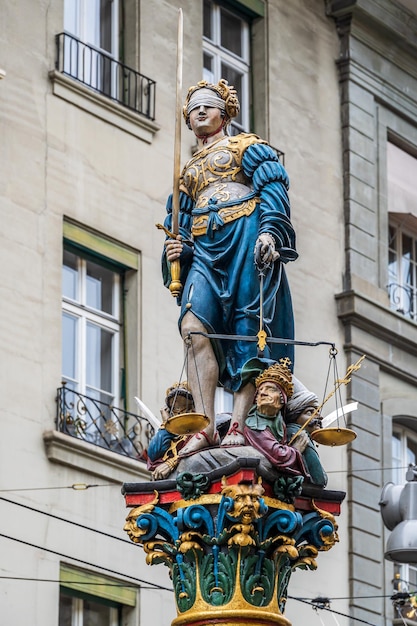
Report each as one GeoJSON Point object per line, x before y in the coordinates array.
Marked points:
{"type": "Point", "coordinates": [377, 320]}
{"type": "Point", "coordinates": [102, 107]}
{"type": "Point", "coordinates": [72, 452]}
{"type": "Point", "coordinates": [385, 328]}
{"type": "Point", "coordinates": [382, 18]}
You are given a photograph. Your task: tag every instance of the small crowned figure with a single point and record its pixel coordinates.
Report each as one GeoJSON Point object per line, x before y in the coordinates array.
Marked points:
{"type": "Point", "coordinates": [265, 427]}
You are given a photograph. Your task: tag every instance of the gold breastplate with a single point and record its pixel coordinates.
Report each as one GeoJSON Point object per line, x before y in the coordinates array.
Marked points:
{"type": "Point", "coordinates": [215, 176]}
{"type": "Point", "coordinates": [213, 169]}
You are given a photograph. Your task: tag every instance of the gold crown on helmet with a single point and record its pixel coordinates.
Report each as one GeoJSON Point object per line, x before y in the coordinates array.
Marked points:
{"type": "Point", "coordinates": [280, 374]}
{"type": "Point", "coordinates": [225, 91]}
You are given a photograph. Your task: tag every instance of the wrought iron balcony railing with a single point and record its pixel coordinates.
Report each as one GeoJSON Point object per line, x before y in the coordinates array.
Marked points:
{"type": "Point", "coordinates": [104, 425]}
{"type": "Point", "coordinates": [403, 299]}
{"type": "Point", "coordinates": [98, 70]}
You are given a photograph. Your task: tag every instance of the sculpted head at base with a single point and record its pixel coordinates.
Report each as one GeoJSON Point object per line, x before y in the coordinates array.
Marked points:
{"type": "Point", "coordinates": [247, 497]}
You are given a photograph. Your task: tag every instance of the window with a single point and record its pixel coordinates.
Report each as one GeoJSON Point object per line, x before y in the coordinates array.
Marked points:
{"type": "Point", "coordinates": [94, 24]}
{"type": "Point", "coordinates": [402, 268]}
{"type": "Point", "coordinates": [100, 320]}
{"type": "Point", "coordinates": [91, 340]}
{"type": "Point", "coordinates": [91, 327]}
{"type": "Point", "coordinates": [404, 453]}
{"type": "Point", "coordinates": [405, 580]}
{"type": "Point", "coordinates": [98, 42]}
{"type": "Point", "coordinates": [226, 54]}
{"type": "Point", "coordinates": [74, 611]}
{"type": "Point", "coordinates": [402, 238]}
{"type": "Point", "coordinates": [88, 599]}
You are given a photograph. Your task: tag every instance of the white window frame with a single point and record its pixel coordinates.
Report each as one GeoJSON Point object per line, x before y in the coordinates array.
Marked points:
{"type": "Point", "coordinates": [77, 612]}
{"type": "Point", "coordinates": [80, 15]}
{"type": "Point", "coordinates": [84, 314]}
{"type": "Point", "coordinates": [400, 465]}
{"type": "Point", "coordinates": [403, 293]}
{"type": "Point", "coordinates": [77, 22]}
{"type": "Point", "coordinates": [219, 55]}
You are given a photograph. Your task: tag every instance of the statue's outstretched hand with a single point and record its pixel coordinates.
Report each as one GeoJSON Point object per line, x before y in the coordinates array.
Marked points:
{"type": "Point", "coordinates": [265, 253]}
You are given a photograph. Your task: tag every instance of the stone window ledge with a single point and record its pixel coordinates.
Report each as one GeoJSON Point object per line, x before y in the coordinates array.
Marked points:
{"type": "Point", "coordinates": [104, 108]}
{"type": "Point", "coordinates": [378, 320]}
{"type": "Point", "coordinates": [86, 457]}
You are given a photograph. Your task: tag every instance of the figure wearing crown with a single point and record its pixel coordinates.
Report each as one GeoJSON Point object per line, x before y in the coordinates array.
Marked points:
{"type": "Point", "coordinates": [268, 427]}
{"type": "Point", "coordinates": [265, 428]}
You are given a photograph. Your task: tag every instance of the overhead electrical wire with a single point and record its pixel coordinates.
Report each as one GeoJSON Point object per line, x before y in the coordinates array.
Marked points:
{"type": "Point", "coordinates": [84, 487]}
{"type": "Point", "coordinates": [74, 487]}
{"type": "Point", "coordinates": [151, 585]}
{"type": "Point", "coordinates": [67, 521]}
{"type": "Point", "coordinates": [126, 541]}
{"type": "Point", "coordinates": [146, 584]}
{"type": "Point", "coordinates": [323, 607]}
{"type": "Point", "coordinates": [313, 601]}
{"type": "Point", "coordinates": [135, 545]}
{"type": "Point", "coordinates": [68, 582]}
{"type": "Point", "coordinates": [73, 558]}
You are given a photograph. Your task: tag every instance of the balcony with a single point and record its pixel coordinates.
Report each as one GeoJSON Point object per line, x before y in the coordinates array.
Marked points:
{"type": "Point", "coordinates": [102, 424]}
{"type": "Point", "coordinates": [99, 71]}
{"type": "Point", "coordinates": [403, 300]}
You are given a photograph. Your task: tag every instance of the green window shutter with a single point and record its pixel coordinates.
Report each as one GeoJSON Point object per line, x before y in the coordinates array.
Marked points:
{"type": "Point", "coordinates": [252, 8]}
{"type": "Point", "coordinates": [96, 585]}
{"type": "Point", "coordinates": [100, 246]}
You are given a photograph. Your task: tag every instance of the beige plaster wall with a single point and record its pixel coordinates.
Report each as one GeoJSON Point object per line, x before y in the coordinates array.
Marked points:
{"type": "Point", "coordinates": [58, 160]}
{"type": "Point", "coordinates": [305, 124]}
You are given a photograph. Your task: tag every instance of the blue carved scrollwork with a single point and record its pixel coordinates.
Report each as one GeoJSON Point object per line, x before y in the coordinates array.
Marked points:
{"type": "Point", "coordinates": [159, 522]}
{"type": "Point", "coordinates": [314, 530]}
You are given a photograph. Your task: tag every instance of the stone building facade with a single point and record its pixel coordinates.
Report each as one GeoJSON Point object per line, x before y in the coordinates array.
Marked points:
{"type": "Point", "coordinates": [87, 97]}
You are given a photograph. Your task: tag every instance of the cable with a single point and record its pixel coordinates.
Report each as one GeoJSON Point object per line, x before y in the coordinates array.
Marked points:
{"type": "Point", "coordinates": [84, 486]}
{"type": "Point", "coordinates": [54, 580]}
{"type": "Point", "coordinates": [67, 582]}
{"type": "Point", "coordinates": [75, 487]}
{"type": "Point", "coordinates": [375, 469]}
{"type": "Point", "coordinates": [72, 558]}
{"type": "Point", "coordinates": [313, 603]}
{"type": "Point", "coordinates": [67, 521]}
{"type": "Point", "coordinates": [325, 608]}
{"type": "Point", "coordinates": [17, 578]}
{"type": "Point", "coordinates": [81, 487]}
{"type": "Point", "coordinates": [386, 595]}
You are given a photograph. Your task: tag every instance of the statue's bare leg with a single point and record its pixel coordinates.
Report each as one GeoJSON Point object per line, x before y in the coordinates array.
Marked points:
{"type": "Point", "coordinates": [203, 374]}
{"type": "Point", "coordinates": [242, 402]}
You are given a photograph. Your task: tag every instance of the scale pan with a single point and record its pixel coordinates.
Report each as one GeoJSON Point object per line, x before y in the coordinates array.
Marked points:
{"type": "Point", "coordinates": [333, 436]}
{"type": "Point", "coordinates": [186, 423]}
